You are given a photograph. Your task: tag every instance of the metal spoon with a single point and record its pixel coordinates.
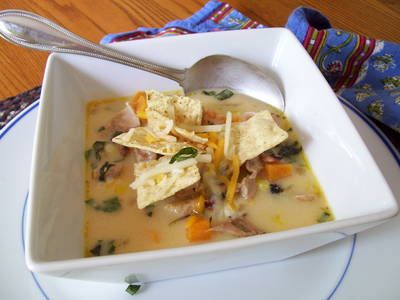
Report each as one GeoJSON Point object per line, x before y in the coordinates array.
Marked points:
{"type": "Point", "coordinates": [216, 71]}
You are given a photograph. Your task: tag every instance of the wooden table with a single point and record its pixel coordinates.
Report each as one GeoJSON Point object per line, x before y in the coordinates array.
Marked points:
{"type": "Point", "coordinates": [22, 69]}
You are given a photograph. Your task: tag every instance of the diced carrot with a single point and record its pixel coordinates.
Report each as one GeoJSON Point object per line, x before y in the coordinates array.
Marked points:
{"type": "Point", "coordinates": [236, 118]}
{"type": "Point", "coordinates": [154, 236]}
{"type": "Point", "coordinates": [197, 229]}
{"type": "Point", "coordinates": [139, 104]}
{"type": "Point", "coordinates": [277, 171]}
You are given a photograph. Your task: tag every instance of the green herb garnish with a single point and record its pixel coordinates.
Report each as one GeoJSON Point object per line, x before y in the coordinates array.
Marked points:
{"type": "Point", "coordinates": [290, 149]}
{"type": "Point", "coordinates": [101, 128]}
{"type": "Point", "coordinates": [103, 170]}
{"type": "Point", "coordinates": [209, 93]}
{"type": "Point", "coordinates": [224, 94]}
{"type": "Point", "coordinates": [149, 209]}
{"type": "Point", "coordinates": [325, 216]}
{"type": "Point", "coordinates": [132, 289]}
{"type": "Point", "coordinates": [183, 154]}
{"type": "Point", "coordinates": [88, 153]}
{"type": "Point", "coordinates": [103, 247]}
{"type": "Point", "coordinates": [116, 133]}
{"type": "Point", "coordinates": [286, 150]}
{"type": "Point", "coordinates": [109, 205]}
{"type": "Point", "coordinates": [98, 148]}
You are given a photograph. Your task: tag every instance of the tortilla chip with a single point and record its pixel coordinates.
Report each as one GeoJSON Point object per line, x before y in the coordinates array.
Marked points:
{"type": "Point", "coordinates": [190, 136]}
{"type": "Point", "coordinates": [183, 110]}
{"type": "Point", "coordinates": [143, 139]}
{"type": "Point", "coordinates": [158, 123]}
{"type": "Point", "coordinates": [164, 185]}
{"type": "Point", "coordinates": [256, 135]}
{"type": "Point", "coordinates": [160, 103]}
{"type": "Point", "coordinates": [188, 110]}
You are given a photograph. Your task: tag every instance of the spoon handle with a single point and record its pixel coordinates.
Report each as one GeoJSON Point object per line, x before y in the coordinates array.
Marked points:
{"type": "Point", "coordinates": [33, 31]}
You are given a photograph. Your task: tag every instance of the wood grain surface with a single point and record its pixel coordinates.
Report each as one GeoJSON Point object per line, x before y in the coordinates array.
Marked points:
{"type": "Point", "coordinates": [22, 69]}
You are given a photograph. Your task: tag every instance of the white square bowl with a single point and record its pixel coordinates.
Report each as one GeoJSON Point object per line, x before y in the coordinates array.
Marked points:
{"type": "Point", "coordinates": [356, 190]}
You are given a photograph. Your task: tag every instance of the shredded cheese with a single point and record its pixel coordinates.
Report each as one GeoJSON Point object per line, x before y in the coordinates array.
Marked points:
{"type": "Point", "coordinates": [230, 193]}
{"type": "Point", "coordinates": [153, 136]}
{"type": "Point", "coordinates": [164, 167]}
{"type": "Point", "coordinates": [227, 133]}
{"type": "Point", "coordinates": [223, 179]}
{"type": "Point", "coordinates": [218, 154]}
{"type": "Point", "coordinates": [204, 158]}
{"type": "Point", "coordinates": [212, 145]}
{"type": "Point", "coordinates": [203, 128]}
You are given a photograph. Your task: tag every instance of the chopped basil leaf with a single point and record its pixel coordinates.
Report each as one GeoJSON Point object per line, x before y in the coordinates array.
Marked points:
{"type": "Point", "coordinates": [286, 150]}
{"type": "Point", "coordinates": [325, 216]}
{"type": "Point", "coordinates": [96, 249]}
{"type": "Point", "coordinates": [132, 289]}
{"type": "Point", "coordinates": [224, 94]}
{"type": "Point", "coordinates": [88, 153]}
{"type": "Point", "coordinates": [103, 247]}
{"type": "Point", "coordinates": [109, 205]}
{"type": "Point", "coordinates": [275, 188]}
{"type": "Point", "coordinates": [149, 209]}
{"type": "Point", "coordinates": [102, 128]}
{"type": "Point", "coordinates": [98, 148]}
{"type": "Point", "coordinates": [103, 170]}
{"type": "Point", "coordinates": [183, 154]}
{"type": "Point", "coordinates": [209, 93]}
{"type": "Point", "coordinates": [90, 202]}
{"type": "Point", "coordinates": [116, 133]}
{"type": "Point", "coordinates": [290, 149]}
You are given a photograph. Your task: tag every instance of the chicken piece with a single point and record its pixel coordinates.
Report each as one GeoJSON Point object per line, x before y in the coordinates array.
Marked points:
{"type": "Point", "coordinates": [123, 121]}
{"type": "Point", "coordinates": [254, 166]}
{"type": "Point", "coordinates": [190, 192]}
{"type": "Point", "coordinates": [238, 227]}
{"type": "Point", "coordinates": [247, 188]}
{"type": "Point", "coordinates": [179, 209]}
{"type": "Point", "coordinates": [143, 155]}
{"type": "Point", "coordinates": [267, 157]}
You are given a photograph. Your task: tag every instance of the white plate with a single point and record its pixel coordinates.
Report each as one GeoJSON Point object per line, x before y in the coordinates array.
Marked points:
{"type": "Point", "coordinates": [364, 266]}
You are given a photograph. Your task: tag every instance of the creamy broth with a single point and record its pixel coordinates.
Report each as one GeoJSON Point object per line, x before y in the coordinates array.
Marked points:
{"type": "Point", "coordinates": [130, 229]}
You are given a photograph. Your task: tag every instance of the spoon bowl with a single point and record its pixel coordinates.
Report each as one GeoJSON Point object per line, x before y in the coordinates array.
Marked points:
{"type": "Point", "coordinates": [216, 71]}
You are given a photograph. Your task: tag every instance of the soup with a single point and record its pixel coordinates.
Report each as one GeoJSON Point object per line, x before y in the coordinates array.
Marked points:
{"type": "Point", "coordinates": [164, 170]}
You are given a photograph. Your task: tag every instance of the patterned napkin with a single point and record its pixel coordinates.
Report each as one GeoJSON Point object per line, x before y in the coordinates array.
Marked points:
{"type": "Point", "coordinates": [363, 70]}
